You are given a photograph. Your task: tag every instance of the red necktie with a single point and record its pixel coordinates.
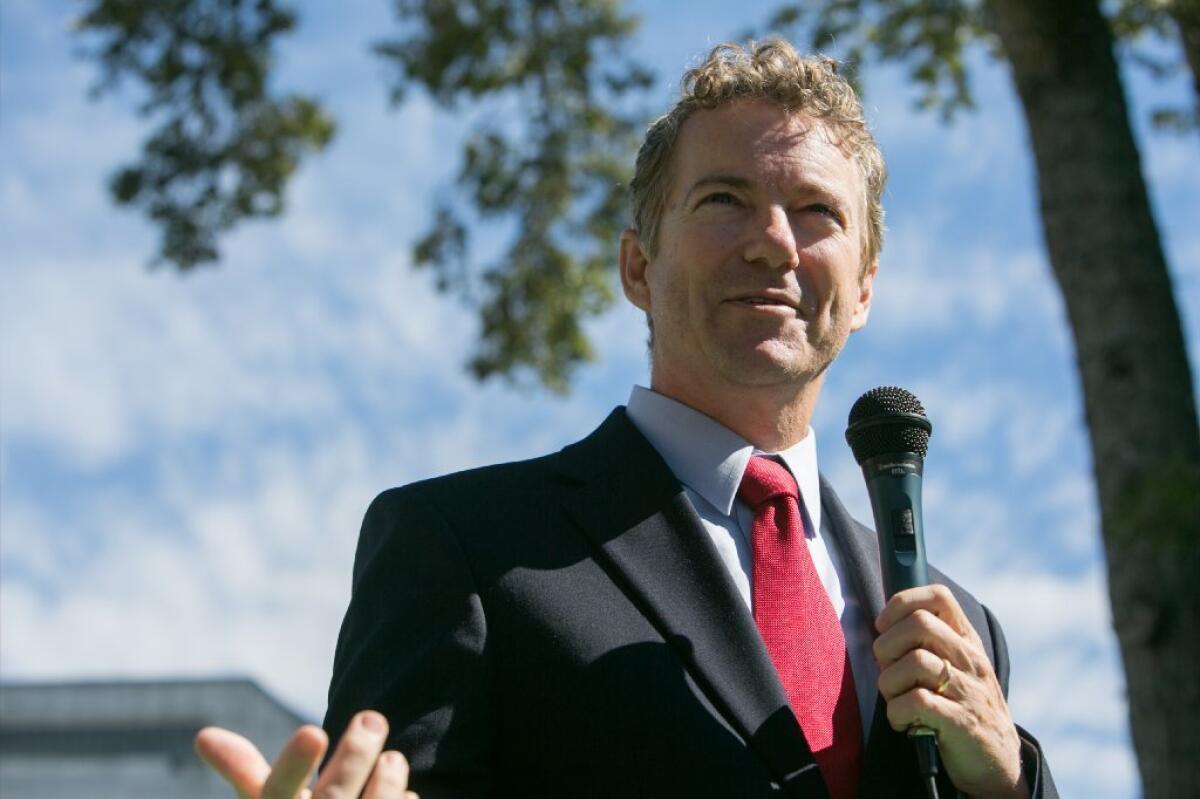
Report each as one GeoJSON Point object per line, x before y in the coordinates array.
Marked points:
{"type": "Point", "coordinates": [800, 627]}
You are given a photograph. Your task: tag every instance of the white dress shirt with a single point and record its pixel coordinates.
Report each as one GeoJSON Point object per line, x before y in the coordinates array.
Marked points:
{"type": "Point", "coordinates": [709, 460]}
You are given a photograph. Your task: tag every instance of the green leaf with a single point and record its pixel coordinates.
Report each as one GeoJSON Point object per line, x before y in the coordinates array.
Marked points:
{"type": "Point", "coordinates": [554, 171]}
{"type": "Point", "coordinates": [224, 147]}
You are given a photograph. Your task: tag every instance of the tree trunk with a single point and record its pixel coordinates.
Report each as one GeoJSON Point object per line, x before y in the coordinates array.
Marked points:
{"type": "Point", "coordinates": [1105, 251]}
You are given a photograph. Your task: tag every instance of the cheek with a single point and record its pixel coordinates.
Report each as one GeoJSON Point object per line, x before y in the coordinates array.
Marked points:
{"type": "Point", "coordinates": [671, 287]}
{"type": "Point", "coordinates": [692, 270]}
{"type": "Point", "coordinates": [816, 274]}
{"type": "Point", "coordinates": [829, 267]}
{"type": "Point", "coordinates": [712, 238]}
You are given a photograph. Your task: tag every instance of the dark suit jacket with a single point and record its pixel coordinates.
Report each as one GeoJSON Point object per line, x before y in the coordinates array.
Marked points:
{"type": "Point", "coordinates": [563, 627]}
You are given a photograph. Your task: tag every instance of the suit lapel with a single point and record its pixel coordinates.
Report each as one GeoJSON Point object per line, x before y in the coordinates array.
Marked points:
{"type": "Point", "coordinates": [637, 515]}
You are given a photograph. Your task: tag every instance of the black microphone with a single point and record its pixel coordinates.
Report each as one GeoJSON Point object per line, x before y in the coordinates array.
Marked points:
{"type": "Point", "coordinates": [889, 435]}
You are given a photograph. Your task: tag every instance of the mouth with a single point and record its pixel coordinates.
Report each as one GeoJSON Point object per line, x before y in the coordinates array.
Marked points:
{"type": "Point", "coordinates": [767, 302]}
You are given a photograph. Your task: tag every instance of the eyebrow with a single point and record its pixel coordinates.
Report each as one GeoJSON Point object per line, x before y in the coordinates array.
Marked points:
{"type": "Point", "coordinates": [740, 182]}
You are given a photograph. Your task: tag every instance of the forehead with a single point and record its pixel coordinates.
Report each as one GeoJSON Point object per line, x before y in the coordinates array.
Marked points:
{"type": "Point", "coordinates": [767, 145]}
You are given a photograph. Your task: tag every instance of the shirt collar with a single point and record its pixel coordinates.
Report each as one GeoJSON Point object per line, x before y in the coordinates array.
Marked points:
{"type": "Point", "coordinates": [709, 458]}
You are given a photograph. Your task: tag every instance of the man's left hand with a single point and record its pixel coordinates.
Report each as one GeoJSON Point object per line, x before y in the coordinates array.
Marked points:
{"type": "Point", "coordinates": [933, 671]}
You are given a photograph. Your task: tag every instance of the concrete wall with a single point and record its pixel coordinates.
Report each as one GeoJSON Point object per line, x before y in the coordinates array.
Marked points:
{"type": "Point", "coordinates": [131, 740]}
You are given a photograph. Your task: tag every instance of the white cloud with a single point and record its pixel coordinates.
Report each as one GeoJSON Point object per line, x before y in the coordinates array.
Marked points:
{"type": "Point", "coordinates": [1104, 768]}
{"type": "Point", "coordinates": [927, 286]}
{"type": "Point", "coordinates": [250, 576]}
{"type": "Point", "coordinates": [978, 146]}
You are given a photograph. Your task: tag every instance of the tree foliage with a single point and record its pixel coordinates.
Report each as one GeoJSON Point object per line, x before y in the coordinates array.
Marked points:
{"type": "Point", "coordinates": [931, 38]}
{"type": "Point", "coordinates": [1135, 21]}
{"type": "Point", "coordinates": [224, 146]}
{"type": "Point", "coordinates": [554, 164]}
{"type": "Point", "coordinates": [549, 160]}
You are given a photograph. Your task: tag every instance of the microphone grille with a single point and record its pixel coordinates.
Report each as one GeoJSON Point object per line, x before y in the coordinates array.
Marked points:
{"type": "Point", "coordinates": [887, 419]}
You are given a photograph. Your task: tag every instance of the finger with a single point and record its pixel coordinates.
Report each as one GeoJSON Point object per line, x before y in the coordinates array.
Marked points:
{"type": "Point", "coordinates": [937, 599]}
{"type": "Point", "coordinates": [921, 629]}
{"type": "Point", "coordinates": [389, 780]}
{"type": "Point", "coordinates": [977, 740]}
{"type": "Point", "coordinates": [921, 706]}
{"type": "Point", "coordinates": [237, 760]}
{"type": "Point", "coordinates": [296, 763]}
{"type": "Point", "coordinates": [919, 668]}
{"type": "Point", "coordinates": [352, 763]}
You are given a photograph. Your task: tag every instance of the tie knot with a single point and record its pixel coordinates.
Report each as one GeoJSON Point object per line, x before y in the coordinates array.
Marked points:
{"type": "Point", "coordinates": [764, 480]}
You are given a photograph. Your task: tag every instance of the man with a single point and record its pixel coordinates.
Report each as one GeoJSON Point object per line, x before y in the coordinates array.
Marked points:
{"type": "Point", "coordinates": [677, 605]}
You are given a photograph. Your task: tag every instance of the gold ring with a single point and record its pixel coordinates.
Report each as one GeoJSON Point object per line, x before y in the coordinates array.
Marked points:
{"type": "Point", "coordinates": [944, 680]}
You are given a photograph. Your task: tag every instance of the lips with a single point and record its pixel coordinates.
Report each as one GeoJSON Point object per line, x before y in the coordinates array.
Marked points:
{"type": "Point", "coordinates": [762, 301]}
{"type": "Point", "coordinates": [767, 300]}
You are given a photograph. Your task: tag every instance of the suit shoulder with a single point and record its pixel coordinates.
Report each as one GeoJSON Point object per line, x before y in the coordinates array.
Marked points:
{"type": "Point", "coordinates": [527, 474]}
{"type": "Point", "coordinates": [450, 492]}
{"type": "Point", "coordinates": [445, 514]}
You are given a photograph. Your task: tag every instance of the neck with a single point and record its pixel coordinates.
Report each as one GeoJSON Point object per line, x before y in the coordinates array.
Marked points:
{"type": "Point", "coordinates": [772, 418]}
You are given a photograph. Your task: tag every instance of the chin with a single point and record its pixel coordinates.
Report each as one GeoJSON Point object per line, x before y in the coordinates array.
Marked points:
{"type": "Point", "coordinates": [769, 368]}
{"type": "Point", "coordinates": [790, 360]}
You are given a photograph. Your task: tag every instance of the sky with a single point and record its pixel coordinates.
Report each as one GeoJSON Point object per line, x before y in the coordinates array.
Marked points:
{"type": "Point", "coordinates": [185, 460]}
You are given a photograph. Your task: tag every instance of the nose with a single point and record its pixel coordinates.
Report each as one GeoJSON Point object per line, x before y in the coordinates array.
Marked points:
{"type": "Point", "coordinates": [773, 242]}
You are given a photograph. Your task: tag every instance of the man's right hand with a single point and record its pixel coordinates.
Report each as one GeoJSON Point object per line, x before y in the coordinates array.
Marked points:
{"type": "Point", "coordinates": [359, 765]}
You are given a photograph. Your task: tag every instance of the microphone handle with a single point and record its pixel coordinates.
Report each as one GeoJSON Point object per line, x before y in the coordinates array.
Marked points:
{"type": "Point", "coordinates": [894, 485]}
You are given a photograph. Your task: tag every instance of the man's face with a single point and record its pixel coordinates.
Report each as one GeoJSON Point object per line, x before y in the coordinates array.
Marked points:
{"type": "Point", "coordinates": [757, 279]}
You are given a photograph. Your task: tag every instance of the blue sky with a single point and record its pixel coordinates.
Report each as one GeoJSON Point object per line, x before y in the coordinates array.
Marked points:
{"type": "Point", "coordinates": [185, 461]}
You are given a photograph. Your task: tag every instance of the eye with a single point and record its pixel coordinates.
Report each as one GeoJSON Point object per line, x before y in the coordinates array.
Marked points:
{"type": "Point", "coordinates": [719, 198]}
{"type": "Point", "coordinates": [826, 210]}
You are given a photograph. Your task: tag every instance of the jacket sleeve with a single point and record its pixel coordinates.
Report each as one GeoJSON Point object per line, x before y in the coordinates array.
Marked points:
{"type": "Point", "coordinates": [413, 646]}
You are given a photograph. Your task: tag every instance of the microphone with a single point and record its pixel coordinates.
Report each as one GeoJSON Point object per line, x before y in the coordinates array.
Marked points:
{"type": "Point", "coordinates": [889, 435]}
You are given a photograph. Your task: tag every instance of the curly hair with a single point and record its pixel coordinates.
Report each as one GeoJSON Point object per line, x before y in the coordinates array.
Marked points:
{"type": "Point", "coordinates": [770, 70]}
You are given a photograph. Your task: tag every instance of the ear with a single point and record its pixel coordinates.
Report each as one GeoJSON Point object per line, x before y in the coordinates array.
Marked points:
{"type": "Point", "coordinates": [866, 291]}
{"type": "Point", "coordinates": [634, 265]}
